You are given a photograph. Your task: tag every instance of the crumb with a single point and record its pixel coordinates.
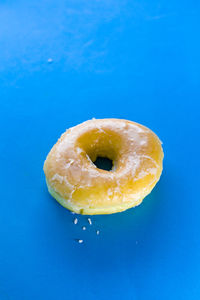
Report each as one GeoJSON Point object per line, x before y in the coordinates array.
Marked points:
{"type": "Point", "coordinates": [89, 221]}
{"type": "Point", "coordinates": [49, 60]}
{"type": "Point", "coordinates": [84, 228]}
{"type": "Point", "coordinates": [80, 241]}
{"type": "Point", "coordinates": [97, 232]}
{"type": "Point", "coordinates": [75, 221]}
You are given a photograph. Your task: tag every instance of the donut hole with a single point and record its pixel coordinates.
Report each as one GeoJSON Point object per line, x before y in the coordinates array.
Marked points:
{"type": "Point", "coordinates": [103, 163]}
{"type": "Point", "coordinates": [101, 147]}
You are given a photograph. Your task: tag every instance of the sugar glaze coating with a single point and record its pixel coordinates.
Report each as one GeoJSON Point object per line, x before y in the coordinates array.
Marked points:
{"type": "Point", "coordinates": [80, 186]}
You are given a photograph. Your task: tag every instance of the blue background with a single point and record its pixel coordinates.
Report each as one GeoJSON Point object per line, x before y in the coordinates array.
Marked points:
{"type": "Point", "coordinates": [137, 60]}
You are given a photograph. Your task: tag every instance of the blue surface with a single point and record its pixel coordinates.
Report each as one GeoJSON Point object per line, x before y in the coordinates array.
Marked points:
{"type": "Point", "coordinates": [137, 60]}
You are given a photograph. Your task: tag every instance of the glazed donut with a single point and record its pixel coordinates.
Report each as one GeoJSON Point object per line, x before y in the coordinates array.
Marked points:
{"type": "Point", "coordinates": [77, 184]}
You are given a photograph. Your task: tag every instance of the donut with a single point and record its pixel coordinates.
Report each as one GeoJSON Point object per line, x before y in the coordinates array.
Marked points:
{"type": "Point", "coordinates": [79, 185]}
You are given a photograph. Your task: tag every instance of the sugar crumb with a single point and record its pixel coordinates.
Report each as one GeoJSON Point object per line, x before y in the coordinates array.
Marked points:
{"type": "Point", "coordinates": [49, 60]}
{"type": "Point", "coordinates": [89, 221]}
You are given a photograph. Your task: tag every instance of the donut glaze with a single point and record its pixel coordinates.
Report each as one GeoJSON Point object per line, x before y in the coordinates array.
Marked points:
{"type": "Point", "coordinates": [77, 184]}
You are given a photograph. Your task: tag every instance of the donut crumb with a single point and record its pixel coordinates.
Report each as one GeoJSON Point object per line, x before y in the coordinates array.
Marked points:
{"type": "Point", "coordinates": [89, 221]}
{"type": "Point", "coordinates": [97, 232]}
{"type": "Point", "coordinates": [49, 60]}
{"type": "Point", "coordinates": [84, 228]}
{"type": "Point", "coordinates": [75, 221]}
{"type": "Point", "coordinates": [80, 241]}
